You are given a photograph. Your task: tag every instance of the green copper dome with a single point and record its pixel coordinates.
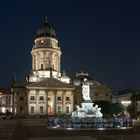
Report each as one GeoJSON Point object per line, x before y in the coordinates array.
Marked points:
{"type": "Point", "coordinates": [46, 30]}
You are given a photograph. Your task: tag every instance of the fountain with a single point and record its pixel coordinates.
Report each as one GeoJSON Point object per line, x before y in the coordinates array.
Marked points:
{"type": "Point", "coordinates": [87, 109]}
{"type": "Point", "coordinates": [88, 116]}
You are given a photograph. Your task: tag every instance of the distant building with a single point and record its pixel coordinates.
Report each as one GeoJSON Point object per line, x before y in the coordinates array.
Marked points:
{"type": "Point", "coordinates": [98, 92]}
{"type": "Point", "coordinates": [5, 100]}
{"type": "Point", "coordinates": [123, 95]}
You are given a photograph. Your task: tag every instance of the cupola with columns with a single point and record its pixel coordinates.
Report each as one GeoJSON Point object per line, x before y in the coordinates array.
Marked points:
{"type": "Point", "coordinates": [46, 54]}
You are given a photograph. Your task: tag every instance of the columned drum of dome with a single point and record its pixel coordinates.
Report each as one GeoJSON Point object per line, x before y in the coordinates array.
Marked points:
{"type": "Point", "coordinates": [46, 54]}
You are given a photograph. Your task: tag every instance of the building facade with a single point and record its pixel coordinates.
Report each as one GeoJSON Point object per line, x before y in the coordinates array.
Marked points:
{"type": "Point", "coordinates": [6, 100]}
{"type": "Point", "coordinates": [54, 99]}
{"type": "Point", "coordinates": [47, 91]}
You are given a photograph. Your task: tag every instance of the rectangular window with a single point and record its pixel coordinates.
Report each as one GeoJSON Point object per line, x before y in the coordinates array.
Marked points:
{"type": "Point", "coordinates": [41, 98]}
{"type": "Point", "coordinates": [41, 109]}
{"type": "Point", "coordinates": [32, 109]}
{"type": "Point", "coordinates": [32, 98]}
{"type": "Point", "coordinates": [58, 98]}
{"type": "Point", "coordinates": [21, 98]}
{"type": "Point", "coordinates": [67, 98]}
{"type": "Point", "coordinates": [67, 109]}
{"type": "Point", "coordinates": [49, 99]}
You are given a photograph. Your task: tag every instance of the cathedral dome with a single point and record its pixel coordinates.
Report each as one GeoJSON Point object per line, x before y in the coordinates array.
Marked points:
{"type": "Point", "coordinates": [46, 30]}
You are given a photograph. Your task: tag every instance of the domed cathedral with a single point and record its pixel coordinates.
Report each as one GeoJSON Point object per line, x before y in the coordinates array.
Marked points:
{"type": "Point", "coordinates": [45, 92]}
{"type": "Point", "coordinates": [46, 54]}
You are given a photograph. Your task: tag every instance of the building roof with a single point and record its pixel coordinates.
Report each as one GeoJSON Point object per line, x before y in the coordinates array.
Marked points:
{"type": "Point", "coordinates": [46, 30]}
{"type": "Point", "coordinates": [123, 92]}
{"type": "Point", "coordinates": [19, 85]}
{"type": "Point", "coordinates": [50, 83]}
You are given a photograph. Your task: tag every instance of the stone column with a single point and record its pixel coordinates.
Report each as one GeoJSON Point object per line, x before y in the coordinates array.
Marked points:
{"type": "Point", "coordinates": [55, 92]}
{"type": "Point", "coordinates": [63, 101]}
{"type": "Point", "coordinates": [33, 68]}
{"type": "Point", "coordinates": [72, 102]}
{"type": "Point", "coordinates": [28, 99]}
{"type": "Point", "coordinates": [58, 63]}
{"type": "Point", "coordinates": [51, 53]}
{"type": "Point", "coordinates": [44, 61]}
{"type": "Point", "coordinates": [37, 102]}
{"type": "Point", "coordinates": [37, 61]}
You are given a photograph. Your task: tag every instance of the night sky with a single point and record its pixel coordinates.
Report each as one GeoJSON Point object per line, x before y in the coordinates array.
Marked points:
{"type": "Point", "coordinates": [98, 37]}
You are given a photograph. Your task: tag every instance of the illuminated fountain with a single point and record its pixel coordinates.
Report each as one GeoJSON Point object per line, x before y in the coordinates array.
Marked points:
{"type": "Point", "coordinates": [88, 116]}
{"type": "Point", "coordinates": [87, 109]}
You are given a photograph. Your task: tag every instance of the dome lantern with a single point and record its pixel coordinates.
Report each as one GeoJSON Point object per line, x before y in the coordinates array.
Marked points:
{"type": "Point", "coordinates": [46, 30]}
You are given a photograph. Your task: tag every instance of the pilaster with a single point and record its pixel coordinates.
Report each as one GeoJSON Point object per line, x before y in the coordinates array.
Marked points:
{"type": "Point", "coordinates": [37, 101]}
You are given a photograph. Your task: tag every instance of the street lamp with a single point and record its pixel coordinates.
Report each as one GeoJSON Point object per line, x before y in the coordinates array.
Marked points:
{"type": "Point", "coordinates": [126, 104]}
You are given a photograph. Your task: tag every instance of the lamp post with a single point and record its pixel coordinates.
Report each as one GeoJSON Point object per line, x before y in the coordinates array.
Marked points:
{"type": "Point", "coordinates": [126, 104]}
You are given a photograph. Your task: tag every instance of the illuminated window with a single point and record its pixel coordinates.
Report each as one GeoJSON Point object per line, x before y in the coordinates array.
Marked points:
{"type": "Point", "coordinates": [49, 109]}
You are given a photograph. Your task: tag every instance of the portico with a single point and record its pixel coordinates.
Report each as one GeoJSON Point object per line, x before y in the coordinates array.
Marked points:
{"type": "Point", "coordinates": [50, 97]}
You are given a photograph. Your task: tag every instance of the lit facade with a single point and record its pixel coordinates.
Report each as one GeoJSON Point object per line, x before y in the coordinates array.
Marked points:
{"type": "Point", "coordinates": [47, 91]}
{"type": "Point", "coordinates": [5, 100]}
{"type": "Point", "coordinates": [54, 99]}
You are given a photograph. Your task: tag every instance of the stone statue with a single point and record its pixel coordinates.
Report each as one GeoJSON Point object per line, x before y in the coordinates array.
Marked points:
{"type": "Point", "coordinates": [87, 109]}
{"type": "Point", "coordinates": [98, 113]}
{"type": "Point", "coordinates": [86, 90]}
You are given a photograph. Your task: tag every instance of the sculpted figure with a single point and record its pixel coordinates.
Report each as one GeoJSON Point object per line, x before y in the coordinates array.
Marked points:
{"type": "Point", "coordinates": [86, 90]}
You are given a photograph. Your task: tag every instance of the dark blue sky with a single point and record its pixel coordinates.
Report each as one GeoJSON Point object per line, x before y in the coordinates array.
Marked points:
{"type": "Point", "coordinates": [99, 37]}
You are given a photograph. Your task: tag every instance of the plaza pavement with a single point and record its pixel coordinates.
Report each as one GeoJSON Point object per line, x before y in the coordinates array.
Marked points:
{"type": "Point", "coordinates": [37, 130]}
{"type": "Point", "coordinates": [7, 129]}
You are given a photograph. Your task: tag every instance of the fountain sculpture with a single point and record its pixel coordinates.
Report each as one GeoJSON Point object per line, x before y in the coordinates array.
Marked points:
{"type": "Point", "coordinates": [88, 116]}
{"type": "Point", "coordinates": [87, 109]}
